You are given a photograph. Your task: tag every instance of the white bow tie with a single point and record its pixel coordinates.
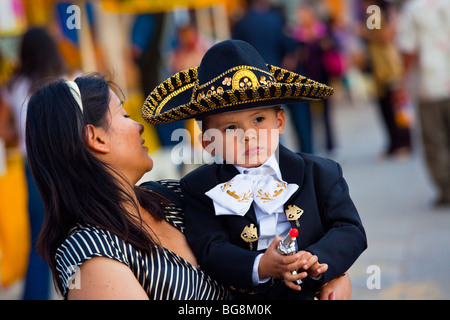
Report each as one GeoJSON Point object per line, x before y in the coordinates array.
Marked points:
{"type": "Point", "coordinates": [237, 195]}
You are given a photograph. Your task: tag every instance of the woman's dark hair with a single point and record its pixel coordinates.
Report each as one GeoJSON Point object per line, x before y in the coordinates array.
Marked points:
{"type": "Point", "coordinates": [76, 187]}
{"type": "Point", "coordinates": [39, 56]}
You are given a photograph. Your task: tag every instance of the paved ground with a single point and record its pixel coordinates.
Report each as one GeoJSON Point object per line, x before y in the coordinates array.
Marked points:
{"type": "Point", "coordinates": [408, 239]}
{"type": "Point", "coordinates": [408, 255]}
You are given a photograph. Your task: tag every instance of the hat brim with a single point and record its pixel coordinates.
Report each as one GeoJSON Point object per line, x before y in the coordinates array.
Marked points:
{"type": "Point", "coordinates": [174, 99]}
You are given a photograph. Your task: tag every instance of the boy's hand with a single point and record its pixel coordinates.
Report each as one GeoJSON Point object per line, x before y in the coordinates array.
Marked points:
{"type": "Point", "coordinates": [312, 265]}
{"type": "Point", "coordinates": [276, 265]}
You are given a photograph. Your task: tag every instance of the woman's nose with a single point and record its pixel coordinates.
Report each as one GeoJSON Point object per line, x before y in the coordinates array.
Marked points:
{"type": "Point", "coordinates": [141, 128]}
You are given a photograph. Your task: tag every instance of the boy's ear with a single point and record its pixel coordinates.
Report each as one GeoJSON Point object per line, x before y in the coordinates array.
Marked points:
{"type": "Point", "coordinates": [96, 139]}
{"type": "Point", "coordinates": [205, 143]}
{"type": "Point", "coordinates": [281, 118]}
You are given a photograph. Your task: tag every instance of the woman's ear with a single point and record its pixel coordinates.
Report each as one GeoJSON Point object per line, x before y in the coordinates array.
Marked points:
{"type": "Point", "coordinates": [97, 139]}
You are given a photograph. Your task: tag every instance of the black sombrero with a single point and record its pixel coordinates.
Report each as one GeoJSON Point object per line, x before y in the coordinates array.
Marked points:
{"type": "Point", "coordinates": [232, 76]}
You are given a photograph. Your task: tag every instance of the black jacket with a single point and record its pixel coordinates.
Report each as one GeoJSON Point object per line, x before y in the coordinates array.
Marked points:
{"type": "Point", "coordinates": [330, 226]}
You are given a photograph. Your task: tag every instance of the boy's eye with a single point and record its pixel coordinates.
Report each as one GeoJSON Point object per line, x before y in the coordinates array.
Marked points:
{"type": "Point", "coordinates": [259, 119]}
{"type": "Point", "coordinates": [231, 127]}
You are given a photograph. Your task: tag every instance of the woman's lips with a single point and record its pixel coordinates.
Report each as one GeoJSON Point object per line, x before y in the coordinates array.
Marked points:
{"type": "Point", "coordinates": [143, 145]}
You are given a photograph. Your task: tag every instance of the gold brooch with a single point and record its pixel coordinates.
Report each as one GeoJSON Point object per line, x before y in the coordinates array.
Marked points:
{"type": "Point", "coordinates": [226, 81]}
{"type": "Point", "coordinates": [293, 213]}
{"type": "Point", "coordinates": [250, 235]}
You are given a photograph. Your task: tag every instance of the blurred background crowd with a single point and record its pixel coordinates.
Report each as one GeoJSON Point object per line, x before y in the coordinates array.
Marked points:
{"type": "Point", "coordinates": [352, 45]}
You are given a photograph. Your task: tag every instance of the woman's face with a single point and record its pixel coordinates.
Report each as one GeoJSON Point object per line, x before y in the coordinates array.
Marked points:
{"type": "Point", "coordinates": [127, 152]}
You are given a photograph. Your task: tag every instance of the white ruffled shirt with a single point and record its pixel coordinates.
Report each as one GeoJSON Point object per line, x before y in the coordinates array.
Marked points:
{"type": "Point", "coordinates": [271, 217]}
{"type": "Point", "coordinates": [270, 225]}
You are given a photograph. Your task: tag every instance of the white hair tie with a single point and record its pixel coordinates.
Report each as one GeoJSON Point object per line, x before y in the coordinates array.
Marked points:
{"type": "Point", "coordinates": [75, 91]}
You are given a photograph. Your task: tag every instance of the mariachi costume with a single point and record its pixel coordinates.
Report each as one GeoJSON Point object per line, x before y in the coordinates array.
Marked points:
{"type": "Point", "coordinates": [232, 213]}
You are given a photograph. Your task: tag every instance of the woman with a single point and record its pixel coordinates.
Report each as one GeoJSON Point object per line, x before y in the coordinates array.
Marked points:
{"type": "Point", "coordinates": [103, 237]}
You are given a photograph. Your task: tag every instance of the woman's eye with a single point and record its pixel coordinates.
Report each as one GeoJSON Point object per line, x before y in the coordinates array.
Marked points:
{"type": "Point", "coordinates": [127, 116]}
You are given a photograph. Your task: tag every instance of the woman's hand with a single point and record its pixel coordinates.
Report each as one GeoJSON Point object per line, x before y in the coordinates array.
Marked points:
{"type": "Point", "coordinates": [337, 289]}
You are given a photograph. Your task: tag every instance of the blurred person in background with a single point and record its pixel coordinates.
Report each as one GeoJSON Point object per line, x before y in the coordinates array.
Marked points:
{"type": "Point", "coordinates": [14, 222]}
{"type": "Point", "coordinates": [264, 28]}
{"type": "Point", "coordinates": [314, 42]}
{"type": "Point", "coordinates": [8, 132]}
{"type": "Point", "coordinates": [189, 49]}
{"type": "Point", "coordinates": [147, 37]}
{"type": "Point", "coordinates": [386, 66]}
{"type": "Point", "coordinates": [423, 38]}
{"type": "Point", "coordinates": [187, 53]}
{"type": "Point", "coordinates": [39, 59]}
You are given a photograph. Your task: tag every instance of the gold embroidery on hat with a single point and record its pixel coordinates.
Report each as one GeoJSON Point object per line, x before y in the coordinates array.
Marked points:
{"type": "Point", "coordinates": [288, 91]}
{"type": "Point", "coordinates": [298, 85]}
{"type": "Point", "coordinates": [170, 86]}
{"type": "Point", "coordinates": [233, 98]}
{"type": "Point", "coordinates": [243, 79]}
{"type": "Point", "coordinates": [250, 235]}
{"type": "Point", "coordinates": [243, 95]}
{"type": "Point", "coordinates": [277, 90]}
{"type": "Point", "coordinates": [290, 78]}
{"type": "Point", "coordinates": [226, 81]}
{"type": "Point", "coordinates": [170, 96]}
{"type": "Point", "coordinates": [230, 71]}
{"type": "Point", "coordinates": [262, 80]}
{"type": "Point", "coordinates": [163, 118]}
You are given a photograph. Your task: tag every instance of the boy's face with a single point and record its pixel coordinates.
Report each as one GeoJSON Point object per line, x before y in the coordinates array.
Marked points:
{"type": "Point", "coordinates": [245, 138]}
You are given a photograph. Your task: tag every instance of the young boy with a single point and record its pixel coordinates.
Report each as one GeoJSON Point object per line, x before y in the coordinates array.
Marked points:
{"type": "Point", "coordinates": [237, 210]}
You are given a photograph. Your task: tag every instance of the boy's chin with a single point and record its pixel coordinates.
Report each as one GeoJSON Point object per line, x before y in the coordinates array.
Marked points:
{"type": "Point", "coordinates": [252, 161]}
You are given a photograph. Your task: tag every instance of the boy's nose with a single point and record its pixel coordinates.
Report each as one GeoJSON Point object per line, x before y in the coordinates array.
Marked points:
{"type": "Point", "coordinates": [250, 134]}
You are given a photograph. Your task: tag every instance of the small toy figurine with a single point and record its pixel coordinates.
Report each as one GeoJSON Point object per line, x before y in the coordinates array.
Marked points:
{"type": "Point", "coordinates": [287, 246]}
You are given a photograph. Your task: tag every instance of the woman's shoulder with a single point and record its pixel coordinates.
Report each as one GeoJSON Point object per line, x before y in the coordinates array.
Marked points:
{"type": "Point", "coordinates": [85, 242]}
{"type": "Point", "coordinates": [83, 230]}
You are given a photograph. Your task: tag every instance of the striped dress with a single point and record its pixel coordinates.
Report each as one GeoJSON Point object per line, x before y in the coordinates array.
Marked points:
{"type": "Point", "coordinates": [163, 274]}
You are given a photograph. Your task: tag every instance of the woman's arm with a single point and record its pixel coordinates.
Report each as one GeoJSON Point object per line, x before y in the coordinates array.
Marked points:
{"type": "Point", "coordinates": [106, 279]}
{"type": "Point", "coordinates": [339, 288]}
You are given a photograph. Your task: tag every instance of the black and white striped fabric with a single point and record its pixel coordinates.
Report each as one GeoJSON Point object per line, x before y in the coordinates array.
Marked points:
{"type": "Point", "coordinates": [163, 274]}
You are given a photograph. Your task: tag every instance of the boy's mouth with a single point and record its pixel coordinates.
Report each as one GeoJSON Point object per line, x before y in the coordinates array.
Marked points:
{"type": "Point", "coordinates": [252, 151]}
